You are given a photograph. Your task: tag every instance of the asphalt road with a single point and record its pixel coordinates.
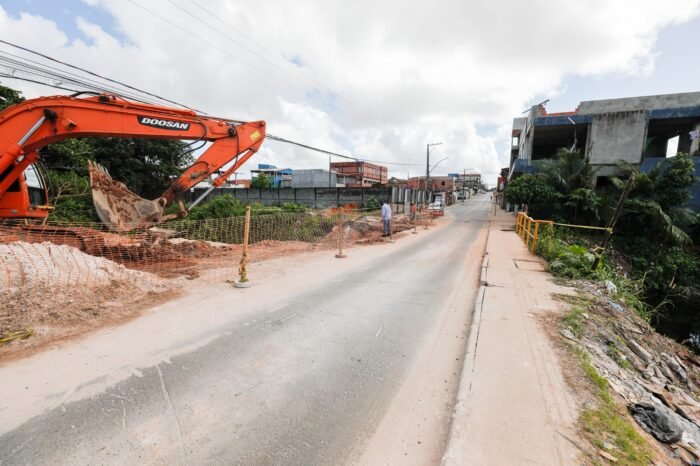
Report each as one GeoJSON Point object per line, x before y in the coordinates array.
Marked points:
{"type": "Point", "coordinates": [305, 376]}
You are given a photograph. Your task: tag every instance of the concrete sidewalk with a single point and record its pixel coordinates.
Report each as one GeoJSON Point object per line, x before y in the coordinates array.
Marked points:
{"type": "Point", "coordinates": [513, 406]}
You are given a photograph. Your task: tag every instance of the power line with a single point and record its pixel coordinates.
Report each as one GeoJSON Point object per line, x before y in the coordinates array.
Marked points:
{"type": "Point", "coordinates": [324, 151]}
{"type": "Point", "coordinates": [25, 64]}
{"type": "Point", "coordinates": [302, 91]}
{"type": "Point", "coordinates": [46, 73]}
{"type": "Point", "coordinates": [18, 64]}
{"type": "Point", "coordinates": [268, 135]}
{"type": "Point", "coordinates": [5, 75]}
{"type": "Point", "coordinates": [95, 74]}
{"type": "Point", "coordinates": [271, 53]}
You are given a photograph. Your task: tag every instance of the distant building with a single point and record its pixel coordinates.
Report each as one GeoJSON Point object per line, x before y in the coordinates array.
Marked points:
{"type": "Point", "coordinates": [279, 177]}
{"type": "Point", "coordinates": [437, 183]}
{"type": "Point", "coordinates": [317, 178]}
{"type": "Point", "coordinates": [360, 174]}
{"type": "Point", "coordinates": [238, 183]}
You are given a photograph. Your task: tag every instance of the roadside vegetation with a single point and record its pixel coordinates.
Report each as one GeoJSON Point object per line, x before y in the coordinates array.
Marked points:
{"type": "Point", "coordinates": [652, 260]}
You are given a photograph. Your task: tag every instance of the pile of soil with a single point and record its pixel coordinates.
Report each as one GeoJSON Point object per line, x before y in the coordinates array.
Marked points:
{"type": "Point", "coordinates": [148, 251]}
{"type": "Point", "coordinates": [647, 370]}
{"type": "Point", "coordinates": [44, 285]}
{"type": "Point", "coordinates": [369, 228]}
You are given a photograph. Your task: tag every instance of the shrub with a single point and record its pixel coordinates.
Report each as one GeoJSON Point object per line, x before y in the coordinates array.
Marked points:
{"type": "Point", "coordinates": [531, 190]}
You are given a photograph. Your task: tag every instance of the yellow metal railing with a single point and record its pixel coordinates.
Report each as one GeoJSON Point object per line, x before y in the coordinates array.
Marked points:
{"type": "Point", "coordinates": [529, 230]}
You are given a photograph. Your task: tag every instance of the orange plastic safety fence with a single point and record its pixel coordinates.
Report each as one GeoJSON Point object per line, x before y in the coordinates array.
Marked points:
{"type": "Point", "coordinates": [80, 268]}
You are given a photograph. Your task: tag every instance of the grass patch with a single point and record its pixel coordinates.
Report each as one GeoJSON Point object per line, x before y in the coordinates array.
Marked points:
{"type": "Point", "coordinates": [618, 356]}
{"type": "Point", "coordinates": [572, 320]}
{"type": "Point", "coordinates": [579, 299]}
{"type": "Point", "coordinates": [608, 423]}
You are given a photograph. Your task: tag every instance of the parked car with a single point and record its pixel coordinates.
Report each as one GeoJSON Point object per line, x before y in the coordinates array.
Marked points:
{"type": "Point", "coordinates": [437, 209]}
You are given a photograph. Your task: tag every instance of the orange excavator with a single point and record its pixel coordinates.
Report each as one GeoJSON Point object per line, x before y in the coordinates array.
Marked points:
{"type": "Point", "coordinates": [27, 127]}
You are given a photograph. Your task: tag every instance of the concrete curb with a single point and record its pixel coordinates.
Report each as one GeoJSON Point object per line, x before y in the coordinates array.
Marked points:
{"type": "Point", "coordinates": [452, 450]}
{"type": "Point", "coordinates": [452, 455]}
{"type": "Point", "coordinates": [484, 270]}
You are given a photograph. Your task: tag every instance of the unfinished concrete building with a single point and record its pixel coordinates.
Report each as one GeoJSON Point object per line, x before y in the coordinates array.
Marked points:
{"type": "Point", "coordinates": [639, 130]}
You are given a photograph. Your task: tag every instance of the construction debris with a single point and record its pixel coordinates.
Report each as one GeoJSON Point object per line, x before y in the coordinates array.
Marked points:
{"type": "Point", "coordinates": [656, 377]}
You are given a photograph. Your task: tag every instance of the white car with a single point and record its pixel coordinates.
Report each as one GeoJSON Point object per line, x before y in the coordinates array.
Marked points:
{"type": "Point", "coordinates": [437, 209]}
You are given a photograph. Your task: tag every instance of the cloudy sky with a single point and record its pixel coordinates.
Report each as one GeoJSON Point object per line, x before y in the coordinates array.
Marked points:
{"type": "Point", "coordinates": [376, 79]}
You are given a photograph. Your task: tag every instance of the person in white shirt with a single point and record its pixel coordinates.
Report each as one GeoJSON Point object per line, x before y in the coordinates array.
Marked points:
{"type": "Point", "coordinates": [386, 218]}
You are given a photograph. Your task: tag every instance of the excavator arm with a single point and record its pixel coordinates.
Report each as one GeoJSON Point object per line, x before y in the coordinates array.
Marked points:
{"type": "Point", "coordinates": [31, 125]}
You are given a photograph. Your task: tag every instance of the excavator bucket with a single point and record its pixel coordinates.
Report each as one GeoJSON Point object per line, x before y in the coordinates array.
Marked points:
{"type": "Point", "coordinates": [119, 208]}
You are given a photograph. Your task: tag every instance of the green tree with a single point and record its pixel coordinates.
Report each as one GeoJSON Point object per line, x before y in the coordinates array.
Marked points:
{"type": "Point", "coordinates": [574, 178]}
{"type": "Point", "coordinates": [262, 181]}
{"type": "Point", "coordinates": [71, 196]}
{"type": "Point", "coordinates": [9, 97]}
{"type": "Point", "coordinates": [532, 190]}
{"type": "Point", "coordinates": [653, 234]}
{"type": "Point", "coordinates": [656, 205]}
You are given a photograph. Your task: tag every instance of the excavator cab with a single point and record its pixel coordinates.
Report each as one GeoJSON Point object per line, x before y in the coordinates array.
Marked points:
{"type": "Point", "coordinates": [36, 186]}
{"type": "Point", "coordinates": [27, 196]}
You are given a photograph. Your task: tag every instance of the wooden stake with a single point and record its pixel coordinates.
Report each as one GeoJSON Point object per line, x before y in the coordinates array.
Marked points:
{"type": "Point", "coordinates": [243, 281]}
{"type": "Point", "coordinates": [341, 234]}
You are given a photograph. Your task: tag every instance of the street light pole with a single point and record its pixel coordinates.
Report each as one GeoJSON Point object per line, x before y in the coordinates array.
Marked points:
{"type": "Point", "coordinates": [427, 165]}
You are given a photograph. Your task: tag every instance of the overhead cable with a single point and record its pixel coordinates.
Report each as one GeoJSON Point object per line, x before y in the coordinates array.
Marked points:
{"type": "Point", "coordinates": [335, 154]}
{"type": "Point", "coordinates": [95, 74]}
{"type": "Point", "coordinates": [308, 79]}
{"type": "Point", "coordinates": [237, 58]}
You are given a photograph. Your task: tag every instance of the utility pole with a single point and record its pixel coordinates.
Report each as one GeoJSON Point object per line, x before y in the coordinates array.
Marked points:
{"type": "Point", "coordinates": [464, 185]}
{"type": "Point", "coordinates": [427, 166]}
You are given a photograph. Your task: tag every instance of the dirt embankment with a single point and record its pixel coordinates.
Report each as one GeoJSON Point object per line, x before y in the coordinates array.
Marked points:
{"type": "Point", "coordinates": [655, 378]}
{"type": "Point", "coordinates": [57, 290]}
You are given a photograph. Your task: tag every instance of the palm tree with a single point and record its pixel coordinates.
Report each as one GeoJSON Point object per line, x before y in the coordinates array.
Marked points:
{"type": "Point", "coordinates": [573, 177]}
{"type": "Point", "coordinates": [657, 198]}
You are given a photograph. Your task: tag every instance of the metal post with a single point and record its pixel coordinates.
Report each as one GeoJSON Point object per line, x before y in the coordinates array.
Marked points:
{"type": "Point", "coordinates": [415, 217]}
{"type": "Point", "coordinates": [243, 281]}
{"type": "Point", "coordinates": [534, 240]}
{"type": "Point", "coordinates": [427, 167]}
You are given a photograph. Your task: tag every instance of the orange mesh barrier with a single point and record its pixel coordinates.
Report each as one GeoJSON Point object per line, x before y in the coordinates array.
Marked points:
{"type": "Point", "coordinates": [81, 268]}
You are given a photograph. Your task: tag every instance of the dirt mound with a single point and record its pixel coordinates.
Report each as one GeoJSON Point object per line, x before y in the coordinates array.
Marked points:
{"type": "Point", "coordinates": [50, 285]}
{"type": "Point", "coordinates": [146, 250]}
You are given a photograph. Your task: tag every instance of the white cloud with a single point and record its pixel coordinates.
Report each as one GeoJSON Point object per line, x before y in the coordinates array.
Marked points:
{"type": "Point", "coordinates": [401, 73]}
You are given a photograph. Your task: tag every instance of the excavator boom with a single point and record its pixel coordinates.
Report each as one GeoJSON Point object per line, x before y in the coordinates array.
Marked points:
{"type": "Point", "coordinates": [27, 127]}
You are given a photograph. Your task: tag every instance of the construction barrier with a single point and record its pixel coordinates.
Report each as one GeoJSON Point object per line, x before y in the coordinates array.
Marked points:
{"type": "Point", "coordinates": [529, 230]}
{"type": "Point", "coordinates": [75, 270]}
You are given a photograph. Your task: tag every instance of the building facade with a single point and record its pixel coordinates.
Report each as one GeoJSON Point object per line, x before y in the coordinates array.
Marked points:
{"type": "Point", "coordinates": [633, 130]}
{"type": "Point", "coordinates": [279, 177]}
{"type": "Point", "coordinates": [317, 178]}
{"type": "Point", "coordinates": [361, 174]}
{"type": "Point", "coordinates": [437, 183]}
